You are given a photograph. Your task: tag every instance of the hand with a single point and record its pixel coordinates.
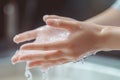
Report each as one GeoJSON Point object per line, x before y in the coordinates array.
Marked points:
{"type": "Point", "coordinates": [84, 37]}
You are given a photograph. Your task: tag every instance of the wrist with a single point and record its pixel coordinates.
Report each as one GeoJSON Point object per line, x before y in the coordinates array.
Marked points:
{"type": "Point", "coordinates": [109, 38]}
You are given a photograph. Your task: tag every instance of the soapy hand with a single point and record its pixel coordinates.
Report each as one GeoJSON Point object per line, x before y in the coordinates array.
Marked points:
{"type": "Point", "coordinates": [83, 38]}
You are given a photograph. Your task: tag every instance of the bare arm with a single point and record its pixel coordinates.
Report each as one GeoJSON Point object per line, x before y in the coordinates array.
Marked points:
{"type": "Point", "coordinates": [109, 17]}
{"type": "Point", "coordinates": [110, 38]}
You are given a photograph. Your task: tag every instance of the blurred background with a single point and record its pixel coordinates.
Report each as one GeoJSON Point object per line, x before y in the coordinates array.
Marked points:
{"type": "Point", "coordinates": [21, 15]}
{"type": "Point", "coordinates": [17, 16]}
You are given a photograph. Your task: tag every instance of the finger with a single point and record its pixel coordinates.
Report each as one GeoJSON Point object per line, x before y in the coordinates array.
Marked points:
{"type": "Point", "coordinates": [15, 58]}
{"type": "Point", "coordinates": [56, 17]}
{"type": "Point", "coordinates": [48, 63]}
{"type": "Point", "coordinates": [60, 23]}
{"type": "Point", "coordinates": [46, 46]}
{"type": "Point", "coordinates": [40, 55]}
{"type": "Point", "coordinates": [26, 36]}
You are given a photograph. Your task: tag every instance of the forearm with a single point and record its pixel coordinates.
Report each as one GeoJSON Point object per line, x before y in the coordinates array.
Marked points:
{"type": "Point", "coordinates": [110, 38]}
{"type": "Point", "coordinates": [109, 17]}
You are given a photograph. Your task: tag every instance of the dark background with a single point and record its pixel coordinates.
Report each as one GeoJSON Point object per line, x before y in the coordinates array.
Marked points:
{"type": "Point", "coordinates": [28, 15]}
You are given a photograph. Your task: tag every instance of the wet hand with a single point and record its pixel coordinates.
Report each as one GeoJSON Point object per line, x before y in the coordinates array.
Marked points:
{"type": "Point", "coordinates": [84, 37]}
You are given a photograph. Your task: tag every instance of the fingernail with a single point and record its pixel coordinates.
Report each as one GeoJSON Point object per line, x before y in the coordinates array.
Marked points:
{"type": "Point", "coordinates": [15, 39]}
{"type": "Point", "coordinates": [13, 60]}
{"type": "Point", "coordinates": [44, 17]}
{"type": "Point", "coordinates": [17, 36]}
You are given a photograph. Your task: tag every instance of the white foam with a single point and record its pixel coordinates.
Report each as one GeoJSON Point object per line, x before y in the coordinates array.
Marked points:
{"type": "Point", "coordinates": [51, 34]}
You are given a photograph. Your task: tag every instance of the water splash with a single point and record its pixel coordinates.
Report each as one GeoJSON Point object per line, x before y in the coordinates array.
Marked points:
{"type": "Point", "coordinates": [48, 34]}
{"type": "Point", "coordinates": [84, 56]}
{"type": "Point", "coordinates": [28, 74]}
